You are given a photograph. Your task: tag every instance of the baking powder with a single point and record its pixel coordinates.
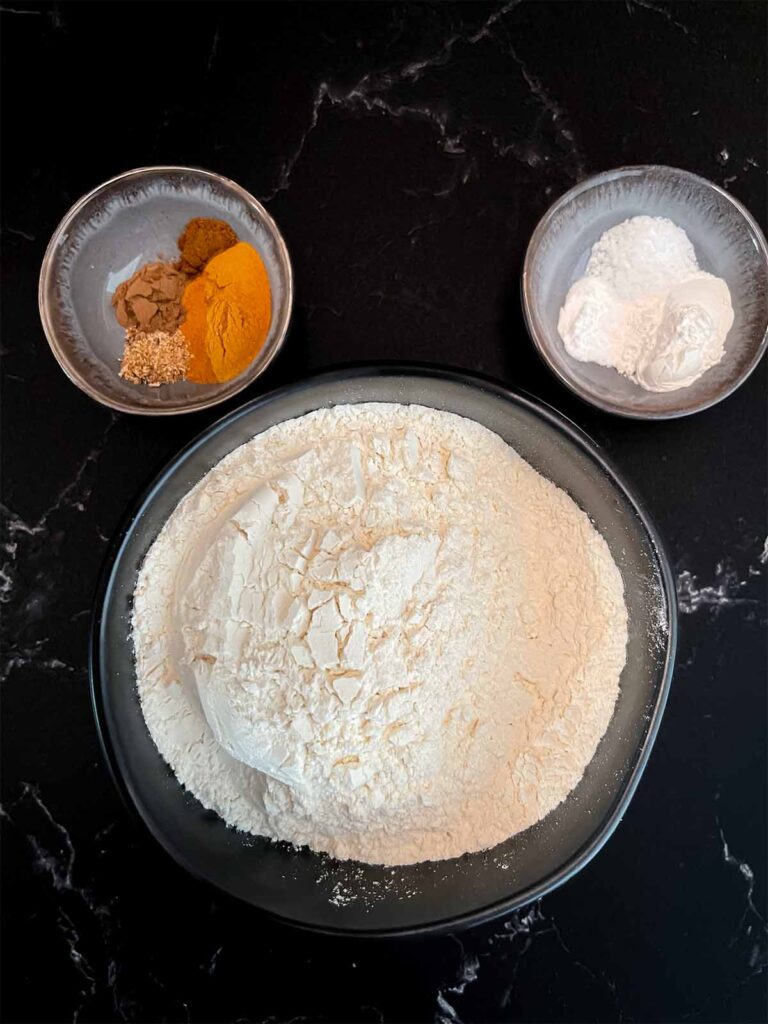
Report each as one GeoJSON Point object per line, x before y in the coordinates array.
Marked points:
{"type": "Point", "coordinates": [645, 308]}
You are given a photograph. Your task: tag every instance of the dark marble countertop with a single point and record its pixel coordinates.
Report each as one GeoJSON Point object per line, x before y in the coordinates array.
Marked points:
{"type": "Point", "coordinates": [406, 150]}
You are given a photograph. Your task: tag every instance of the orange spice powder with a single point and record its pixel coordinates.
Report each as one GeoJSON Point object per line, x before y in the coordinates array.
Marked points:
{"type": "Point", "coordinates": [228, 315]}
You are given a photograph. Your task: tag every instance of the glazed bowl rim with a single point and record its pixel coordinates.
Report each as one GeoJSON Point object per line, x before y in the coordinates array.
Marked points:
{"type": "Point", "coordinates": [537, 331]}
{"type": "Point", "coordinates": [81, 380]}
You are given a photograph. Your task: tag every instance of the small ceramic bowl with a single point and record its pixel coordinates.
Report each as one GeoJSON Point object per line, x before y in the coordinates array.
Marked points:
{"type": "Point", "coordinates": [727, 241]}
{"type": "Point", "coordinates": [133, 219]}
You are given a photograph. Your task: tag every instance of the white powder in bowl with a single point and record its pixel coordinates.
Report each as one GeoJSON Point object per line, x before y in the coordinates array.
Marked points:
{"type": "Point", "coordinates": [645, 307]}
{"type": "Point", "coordinates": [377, 631]}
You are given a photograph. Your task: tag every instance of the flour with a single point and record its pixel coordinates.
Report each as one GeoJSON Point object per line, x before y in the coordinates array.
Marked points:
{"type": "Point", "coordinates": [377, 631]}
{"type": "Point", "coordinates": [645, 308]}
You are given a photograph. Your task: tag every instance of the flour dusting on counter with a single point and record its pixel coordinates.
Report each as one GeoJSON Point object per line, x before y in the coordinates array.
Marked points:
{"type": "Point", "coordinates": [377, 631]}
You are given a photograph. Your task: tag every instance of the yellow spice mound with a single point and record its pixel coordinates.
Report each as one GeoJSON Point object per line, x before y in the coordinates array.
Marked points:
{"type": "Point", "coordinates": [228, 313]}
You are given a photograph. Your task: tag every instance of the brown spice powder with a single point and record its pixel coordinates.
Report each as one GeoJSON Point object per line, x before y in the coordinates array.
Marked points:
{"type": "Point", "coordinates": [201, 240]}
{"type": "Point", "coordinates": [154, 358]}
{"type": "Point", "coordinates": [151, 299]}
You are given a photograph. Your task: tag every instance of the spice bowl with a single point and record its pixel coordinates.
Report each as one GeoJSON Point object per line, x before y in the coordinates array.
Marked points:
{"type": "Point", "coordinates": [728, 244]}
{"type": "Point", "coordinates": [105, 237]}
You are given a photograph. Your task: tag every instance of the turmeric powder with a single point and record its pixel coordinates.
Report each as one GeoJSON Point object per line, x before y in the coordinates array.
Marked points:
{"type": "Point", "coordinates": [228, 313]}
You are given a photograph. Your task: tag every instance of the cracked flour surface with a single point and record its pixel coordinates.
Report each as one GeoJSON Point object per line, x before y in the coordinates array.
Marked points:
{"type": "Point", "coordinates": [377, 631]}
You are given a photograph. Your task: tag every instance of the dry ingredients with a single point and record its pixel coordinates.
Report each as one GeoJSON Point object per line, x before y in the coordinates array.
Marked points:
{"type": "Point", "coordinates": [228, 314]}
{"type": "Point", "coordinates": [151, 299]}
{"type": "Point", "coordinates": [377, 631]}
{"type": "Point", "coordinates": [217, 292]}
{"type": "Point", "coordinates": [201, 240]}
{"type": "Point", "coordinates": [645, 307]}
{"type": "Point", "coordinates": [154, 358]}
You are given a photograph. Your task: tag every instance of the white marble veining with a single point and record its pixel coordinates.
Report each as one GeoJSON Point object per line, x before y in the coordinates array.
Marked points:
{"type": "Point", "coordinates": [53, 856]}
{"type": "Point", "coordinates": [28, 543]}
{"type": "Point", "coordinates": [508, 943]}
{"type": "Point", "coordinates": [471, 166]}
{"type": "Point", "coordinates": [663, 11]}
{"type": "Point", "coordinates": [370, 94]}
{"type": "Point", "coordinates": [729, 589]}
{"type": "Point", "coordinates": [750, 934]}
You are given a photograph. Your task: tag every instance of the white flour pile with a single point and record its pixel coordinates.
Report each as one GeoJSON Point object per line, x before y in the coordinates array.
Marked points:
{"type": "Point", "coordinates": [377, 631]}
{"type": "Point", "coordinates": [645, 308]}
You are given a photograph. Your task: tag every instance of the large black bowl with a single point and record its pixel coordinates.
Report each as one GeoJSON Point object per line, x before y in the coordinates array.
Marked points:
{"type": "Point", "coordinates": [313, 890]}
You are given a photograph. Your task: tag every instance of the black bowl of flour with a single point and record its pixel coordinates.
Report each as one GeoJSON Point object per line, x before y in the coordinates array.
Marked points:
{"type": "Point", "coordinates": [316, 891]}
